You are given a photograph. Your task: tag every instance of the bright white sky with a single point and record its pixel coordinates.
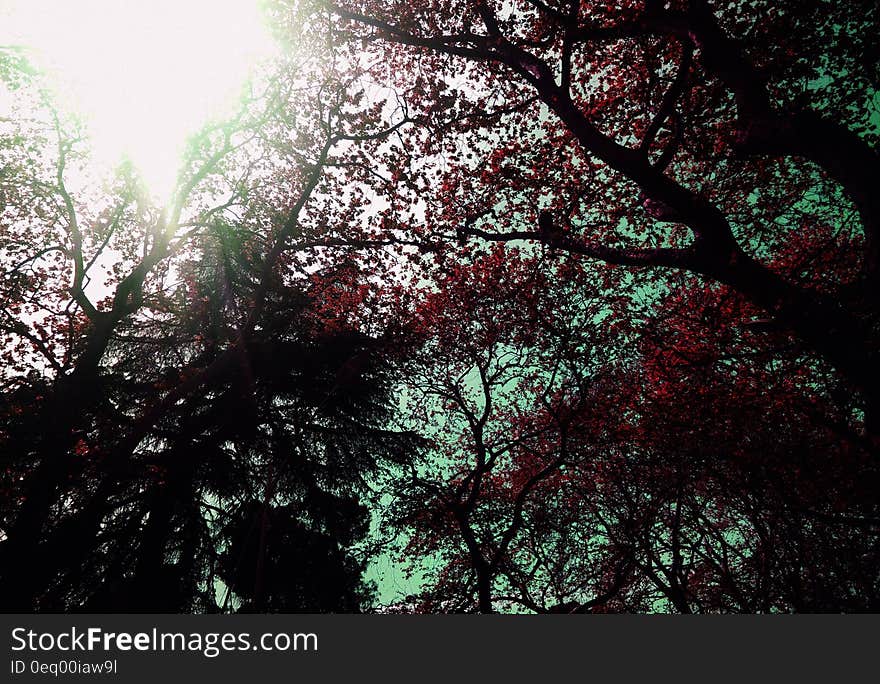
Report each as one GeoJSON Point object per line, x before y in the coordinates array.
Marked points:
{"type": "Point", "coordinates": [143, 73]}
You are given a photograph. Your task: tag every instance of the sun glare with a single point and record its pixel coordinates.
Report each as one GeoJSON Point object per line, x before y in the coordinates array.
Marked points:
{"type": "Point", "coordinates": [144, 74]}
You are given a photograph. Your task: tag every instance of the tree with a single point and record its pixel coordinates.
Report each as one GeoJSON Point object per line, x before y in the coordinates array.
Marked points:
{"type": "Point", "coordinates": [140, 395]}
{"type": "Point", "coordinates": [513, 381]}
{"type": "Point", "coordinates": [563, 480]}
{"type": "Point", "coordinates": [562, 306]}
{"type": "Point", "coordinates": [687, 135]}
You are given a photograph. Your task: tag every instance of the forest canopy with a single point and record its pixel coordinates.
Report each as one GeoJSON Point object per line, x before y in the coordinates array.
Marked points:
{"type": "Point", "coordinates": [543, 306]}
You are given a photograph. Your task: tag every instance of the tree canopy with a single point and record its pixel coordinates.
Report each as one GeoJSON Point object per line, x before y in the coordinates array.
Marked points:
{"type": "Point", "coordinates": [546, 305]}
